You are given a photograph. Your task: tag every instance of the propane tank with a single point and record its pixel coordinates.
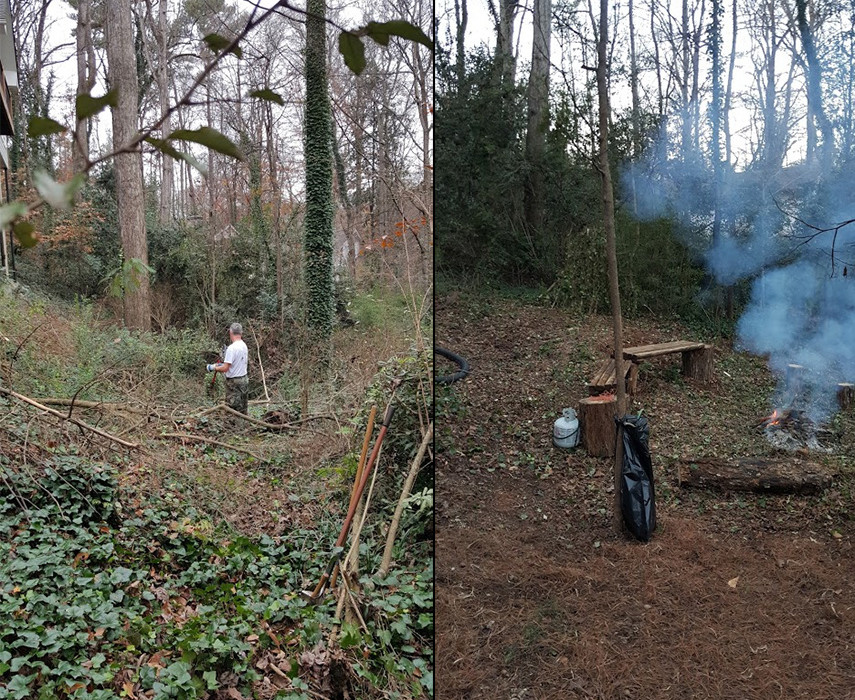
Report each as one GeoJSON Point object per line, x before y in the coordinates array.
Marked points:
{"type": "Point", "coordinates": [565, 431]}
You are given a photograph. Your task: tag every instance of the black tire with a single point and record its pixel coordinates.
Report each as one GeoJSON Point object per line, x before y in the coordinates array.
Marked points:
{"type": "Point", "coordinates": [459, 361]}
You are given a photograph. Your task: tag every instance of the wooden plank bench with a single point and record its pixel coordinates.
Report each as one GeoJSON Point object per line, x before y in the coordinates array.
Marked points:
{"type": "Point", "coordinates": [604, 377]}
{"type": "Point", "coordinates": [697, 357]}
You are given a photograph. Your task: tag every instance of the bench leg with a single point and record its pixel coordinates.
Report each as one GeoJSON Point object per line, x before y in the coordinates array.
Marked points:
{"type": "Point", "coordinates": [698, 364]}
{"type": "Point", "coordinates": [632, 379]}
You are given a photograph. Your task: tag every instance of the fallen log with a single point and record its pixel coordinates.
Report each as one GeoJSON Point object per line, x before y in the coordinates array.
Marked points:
{"type": "Point", "coordinates": [70, 419]}
{"type": "Point", "coordinates": [757, 474]}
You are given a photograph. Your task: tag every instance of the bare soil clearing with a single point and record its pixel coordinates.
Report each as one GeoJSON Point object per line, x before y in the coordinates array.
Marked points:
{"type": "Point", "coordinates": [736, 596]}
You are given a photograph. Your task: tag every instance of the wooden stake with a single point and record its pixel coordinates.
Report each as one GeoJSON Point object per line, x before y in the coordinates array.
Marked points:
{"type": "Point", "coordinates": [260, 366]}
{"type": "Point", "coordinates": [405, 494]}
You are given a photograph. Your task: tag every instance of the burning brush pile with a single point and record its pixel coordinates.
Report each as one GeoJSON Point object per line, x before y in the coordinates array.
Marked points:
{"type": "Point", "coordinates": [790, 429]}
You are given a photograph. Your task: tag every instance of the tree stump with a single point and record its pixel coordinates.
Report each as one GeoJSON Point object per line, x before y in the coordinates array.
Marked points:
{"type": "Point", "coordinates": [597, 419]}
{"type": "Point", "coordinates": [698, 364]}
{"type": "Point", "coordinates": [845, 396]}
{"type": "Point", "coordinates": [764, 475]}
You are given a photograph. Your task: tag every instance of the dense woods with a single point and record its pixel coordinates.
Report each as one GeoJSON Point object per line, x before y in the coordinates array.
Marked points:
{"type": "Point", "coordinates": [184, 174]}
{"type": "Point", "coordinates": [723, 114]}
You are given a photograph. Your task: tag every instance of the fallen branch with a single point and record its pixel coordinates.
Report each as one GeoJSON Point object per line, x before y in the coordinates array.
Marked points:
{"type": "Point", "coordinates": [94, 404]}
{"type": "Point", "coordinates": [255, 421]}
{"type": "Point", "coordinates": [76, 421]}
{"type": "Point", "coordinates": [187, 436]}
{"type": "Point", "coordinates": [271, 426]}
{"type": "Point", "coordinates": [405, 494]}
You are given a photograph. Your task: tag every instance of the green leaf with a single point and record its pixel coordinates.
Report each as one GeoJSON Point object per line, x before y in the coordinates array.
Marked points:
{"type": "Point", "coordinates": [269, 95]}
{"type": "Point", "coordinates": [121, 574]}
{"type": "Point", "coordinates": [10, 212]}
{"type": "Point", "coordinates": [381, 31]}
{"type": "Point", "coordinates": [43, 126]}
{"type": "Point", "coordinates": [350, 46]}
{"type": "Point", "coordinates": [168, 149]}
{"type": "Point", "coordinates": [211, 138]}
{"type": "Point", "coordinates": [350, 636]}
{"type": "Point", "coordinates": [164, 147]}
{"type": "Point", "coordinates": [20, 685]}
{"type": "Point", "coordinates": [218, 43]}
{"type": "Point", "coordinates": [210, 678]}
{"type": "Point", "coordinates": [25, 233]}
{"type": "Point", "coordinates": [59, 195]}
{"type": "Point", "coordinates": [86, 106]}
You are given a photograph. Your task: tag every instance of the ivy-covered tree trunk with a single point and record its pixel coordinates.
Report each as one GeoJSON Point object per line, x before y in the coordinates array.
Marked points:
{"type": "Point", "coordinates": [122, 74]}
{"type": "Point", "coordinates": [319, 174]}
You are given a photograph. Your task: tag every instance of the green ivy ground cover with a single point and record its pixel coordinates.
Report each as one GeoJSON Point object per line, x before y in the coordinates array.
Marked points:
{"type": "Point", "coordinates": [103, 595]}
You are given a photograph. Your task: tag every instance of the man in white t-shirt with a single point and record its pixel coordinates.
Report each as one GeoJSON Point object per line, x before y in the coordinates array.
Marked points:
{"type": "Point", "coordinates": [234, 367]}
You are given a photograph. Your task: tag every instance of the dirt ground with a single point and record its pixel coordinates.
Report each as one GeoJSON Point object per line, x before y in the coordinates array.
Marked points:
{"type": "Point", "coordinates": [736, 596]}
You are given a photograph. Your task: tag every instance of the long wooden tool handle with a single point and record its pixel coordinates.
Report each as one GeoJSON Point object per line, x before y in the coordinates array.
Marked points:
{"type": "Point", "coordinates": [358, 494]}
{"type": "Point", "coordinates": [365, 443]}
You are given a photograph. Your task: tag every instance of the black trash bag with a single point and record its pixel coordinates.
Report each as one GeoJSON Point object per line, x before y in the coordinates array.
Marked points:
{"type": "Point", "coordinates": [638, 499]}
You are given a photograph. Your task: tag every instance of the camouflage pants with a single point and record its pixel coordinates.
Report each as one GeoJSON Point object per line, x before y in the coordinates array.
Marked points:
{"type": "Point", "coordinates": [237, 390]}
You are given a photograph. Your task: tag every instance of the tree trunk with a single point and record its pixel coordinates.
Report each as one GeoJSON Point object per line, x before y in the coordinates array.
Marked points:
{"type": "Point", "coordinates": [461, 14]}
{"type": "Point", "coordinates": [715, 109]}
{"type": "Point", "coordinates": [85, 82]}
{"type": "Point", "coordinates": [167, 177]}
{"type": "Point", "coordinates": [686, 142]}
{"type": "Point", "coordinates": [814, 77]}
{"type": "Point", "coordinates": [212, 219]}
{"type": "Point", "coordinates": [660, 95]}
{"type": "Point", "coordinates": [538, 117]}
{"type": "Point", "coordinates": [728, 93]}
{"type": "Point", "coordinates": [696, 70]}
{"type": "Point", "coordinates": [772, 153]}
{"type": "Point", "coordinates": [611, 245]}
{"type": "Point", "coordinates": [636, 130]}
{"type": "Point", "coordinates": [505, 58]}
{"type": "Point", "coordinates": [319, 173]}
{"type": "Point", "coordinates": [129, 176]}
